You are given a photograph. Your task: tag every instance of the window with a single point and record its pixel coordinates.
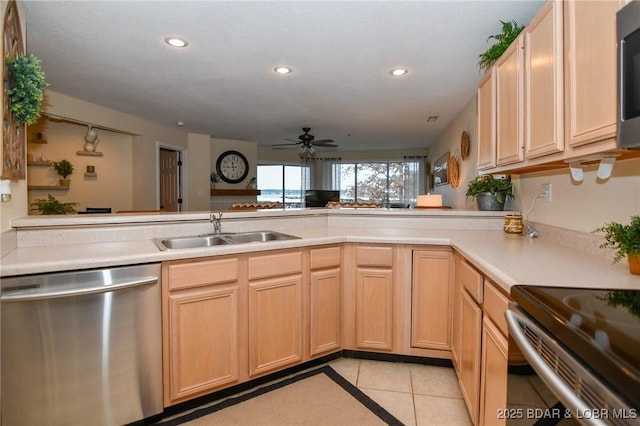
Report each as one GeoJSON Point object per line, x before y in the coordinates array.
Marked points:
{"type": "Point", "coordinates": [283, 183]}
{"type": "Point", "coordinates": [386, 182]}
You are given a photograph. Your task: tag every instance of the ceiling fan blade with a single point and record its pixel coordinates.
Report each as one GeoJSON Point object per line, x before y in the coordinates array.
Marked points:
{"type": "Point", "coordinates": [326, 145]}
{"type": "Point", "coordinates": [322, 141]}
{"type": "Point", "coordinates": [284, 146]}
{"type": "Point", "coordinates": [287, 144]}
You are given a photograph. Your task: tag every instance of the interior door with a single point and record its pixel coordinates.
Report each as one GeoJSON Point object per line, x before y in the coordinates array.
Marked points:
{"type": "Point", "coordinates": [170, 191]}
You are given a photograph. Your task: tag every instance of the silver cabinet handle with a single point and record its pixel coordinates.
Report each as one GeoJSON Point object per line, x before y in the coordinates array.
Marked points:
{"type": "Point", "coordinates": [26, 296]}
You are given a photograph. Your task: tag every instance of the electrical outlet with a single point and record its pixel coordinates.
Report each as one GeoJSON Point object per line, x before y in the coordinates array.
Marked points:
{"type": "Point", "coordinates": [546, 192]}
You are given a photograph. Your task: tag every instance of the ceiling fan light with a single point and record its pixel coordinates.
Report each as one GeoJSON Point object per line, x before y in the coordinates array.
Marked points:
{"type": "Point", "coordinates": [282, 70]}
{"type": "Point", "coordinates": [397, 72]}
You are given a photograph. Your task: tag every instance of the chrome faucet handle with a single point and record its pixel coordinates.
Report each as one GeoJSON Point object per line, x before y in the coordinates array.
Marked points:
{"type": "Point", "coordinates": [217, 225]}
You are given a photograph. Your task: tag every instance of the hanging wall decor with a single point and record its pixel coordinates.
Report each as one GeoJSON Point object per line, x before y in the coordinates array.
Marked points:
{"type": "Point", "coordinates": [440, 170]}
{"type": "Point", "coordinates": [14, 134]}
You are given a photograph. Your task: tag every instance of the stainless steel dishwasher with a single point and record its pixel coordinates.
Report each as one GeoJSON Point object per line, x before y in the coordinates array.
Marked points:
{"type": "Point", "coordinates": [82, 347]}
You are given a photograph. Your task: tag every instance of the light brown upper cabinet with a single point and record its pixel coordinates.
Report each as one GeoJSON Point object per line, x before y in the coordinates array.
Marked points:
{"type": "Point", "coordinates": [509, 72]}
{"type": "Point", "coordinates": [487, 121]}
{"type": "Point", "coordinates": [590, 70]}
{"type": "Point", "coordinates": [543, 39]}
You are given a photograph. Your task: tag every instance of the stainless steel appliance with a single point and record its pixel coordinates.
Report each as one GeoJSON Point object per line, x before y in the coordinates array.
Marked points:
{"type": "Point", "coordinates": [628, 30]}
{"type": "Point", "coordinates": [82, 348]}
{"type": "Point", "coordinates": [585, 346]}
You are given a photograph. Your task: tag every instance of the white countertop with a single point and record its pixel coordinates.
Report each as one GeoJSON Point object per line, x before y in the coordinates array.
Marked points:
{"type": "Point", "coordinates": [506, 259]}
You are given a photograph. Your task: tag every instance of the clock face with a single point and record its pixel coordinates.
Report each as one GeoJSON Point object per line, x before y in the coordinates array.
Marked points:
{"type": "Point", "coordinates": [232, 166]}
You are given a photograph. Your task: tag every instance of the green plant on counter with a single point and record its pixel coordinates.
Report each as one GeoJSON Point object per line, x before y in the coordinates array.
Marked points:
{"type": "Point", "coordinates": [498, 187]}
{"type": "Point", "coordinates": [51, 205]}
{"type": "Point", "coordinates": [63, 168]}
{"type": "Point", "coordinates": [624, 239]}
{"type": "Point", "coordinates": [26, 81]}
{"type": "Point", "coordinates": [510, 31]}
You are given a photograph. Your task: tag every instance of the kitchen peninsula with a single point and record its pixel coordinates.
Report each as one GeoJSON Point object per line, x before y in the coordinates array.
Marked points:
{"type": "Point", "coordinates": [49, 244]}
{"type": "Point", "coordinates": [394, 282]}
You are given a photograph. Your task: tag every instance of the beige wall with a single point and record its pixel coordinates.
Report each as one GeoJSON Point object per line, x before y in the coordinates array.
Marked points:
{"type": "Point", "coordinates": [577, 206]}
{"type": "Point", "coordinates": [198, 166]}
{"type": "Point", "coordinates": [110, 188]}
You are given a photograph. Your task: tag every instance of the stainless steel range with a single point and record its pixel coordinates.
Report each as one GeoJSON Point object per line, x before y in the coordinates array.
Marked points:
{"type": "Point", "coordinates": [585, 346]}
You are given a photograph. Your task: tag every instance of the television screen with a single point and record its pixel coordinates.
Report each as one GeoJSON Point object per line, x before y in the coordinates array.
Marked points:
{"type": "Point", "coordinates": [320, 197]}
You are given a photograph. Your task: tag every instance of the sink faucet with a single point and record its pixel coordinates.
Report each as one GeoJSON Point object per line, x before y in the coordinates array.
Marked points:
{"type": "Point", "coordinates": [217, 226]}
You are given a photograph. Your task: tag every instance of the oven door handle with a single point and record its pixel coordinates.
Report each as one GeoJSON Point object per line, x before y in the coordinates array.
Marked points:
{"type": "Point", "coordinates": [565, 393]}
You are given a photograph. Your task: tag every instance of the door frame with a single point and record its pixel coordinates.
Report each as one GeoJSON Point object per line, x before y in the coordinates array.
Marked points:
{"type": "Point", "coordinates": [182, 173]}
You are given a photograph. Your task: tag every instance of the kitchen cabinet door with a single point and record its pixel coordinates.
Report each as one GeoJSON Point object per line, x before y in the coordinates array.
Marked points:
{"type": "Point", "coordinates": [544, 118]}
{"type": "Point", "coordinates": [374, 309]}
{"type": "Point", "coordinates": [203, 340]}
{"type": "Point", "coordinates": [202, 319]}
{"type": "Point", "coordinates": [509, 70]}
{"type": "Point", "coordinates": [493, 392]}
{"type": "Point", "coordinates": [590, 70]}
{"type": "Point", "coordinates": [325, 308]}
{"type": "Point", "coordinates": [431, 300]}
{"type": "Point", "coordinates": [275, 311]}
{"type": "Point", "coordinates": [469, 357]}
{"type": "Point", "coordinates": [487, 121]}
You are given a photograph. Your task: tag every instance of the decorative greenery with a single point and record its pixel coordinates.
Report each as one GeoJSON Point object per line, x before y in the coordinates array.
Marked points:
{"type": "Point", "coordinates": [624, 239]}
{"type": "Point", "coordinates": [214, 177]}
{"type": "Point", "coordinates": [25, 88]}
{"type": "Point", "coordinates": [63, 167]}
{"type": "Point", "coordinates": [498, 187]}
{"type": "Point", "coordinates": [52, 206]}
{"type": "Point", "coordinates": [510, 31]}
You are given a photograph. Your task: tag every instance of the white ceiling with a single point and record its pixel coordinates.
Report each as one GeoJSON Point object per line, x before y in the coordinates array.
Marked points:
{"type": "Point", "coordinates": [113, 53]}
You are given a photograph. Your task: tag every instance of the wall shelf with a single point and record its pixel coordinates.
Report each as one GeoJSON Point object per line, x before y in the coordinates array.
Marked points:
{"type": "Point", "coordinates": [39, 163]}
{"type": "Point", "coordinates": [235, 192]}
{"type": "Point", "coordinates": [90, 175]}
{"type": "Point", "coordinates": [38, 141]}
{"type": "Point", "coordinates": [47, 187]}
{"type": "Point", "coordinates": [89, 153]}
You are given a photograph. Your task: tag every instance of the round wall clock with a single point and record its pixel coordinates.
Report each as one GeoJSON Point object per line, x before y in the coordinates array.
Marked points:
{"type": "Point", "coordinates": [232, 166]}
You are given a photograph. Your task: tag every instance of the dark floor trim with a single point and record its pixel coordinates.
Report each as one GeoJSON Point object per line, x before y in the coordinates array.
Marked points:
{"type": "Point", "coordinates": [376, 409]}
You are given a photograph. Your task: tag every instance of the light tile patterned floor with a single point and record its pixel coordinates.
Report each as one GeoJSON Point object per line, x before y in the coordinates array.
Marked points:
{"type": "Point", "coordinates": [417, 395]}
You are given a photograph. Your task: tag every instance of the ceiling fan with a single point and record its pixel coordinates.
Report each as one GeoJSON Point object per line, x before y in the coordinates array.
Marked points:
{"type": "Point", "coordinates": [307, 141]}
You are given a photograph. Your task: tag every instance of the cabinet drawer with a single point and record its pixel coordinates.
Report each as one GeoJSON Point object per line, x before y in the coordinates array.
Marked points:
{"type": "Point", "coordinates": [374, 256]}
{"type": "Point", "coordinates": [193, 274]}
{"type": "Point", "coordinates": [325, 257]}
{"type": "Point", "coordinates": [273, 265]}
{"type": "Point", "coordinates": [471, 280]}
{"type": "Point", "coordinates": [494, 305]}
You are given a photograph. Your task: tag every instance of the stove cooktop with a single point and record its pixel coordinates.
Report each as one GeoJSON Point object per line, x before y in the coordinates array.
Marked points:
{"type": "Point", "coordinates": [601, 327]}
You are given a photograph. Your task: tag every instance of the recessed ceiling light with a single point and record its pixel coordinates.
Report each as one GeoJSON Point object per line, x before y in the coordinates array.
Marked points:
{"type": "Point", "coordinates": [282, 70]}
{"type": "Point", "coordinates": [176, 42]}
{"type": "Point", "coordinates": [398, 72]}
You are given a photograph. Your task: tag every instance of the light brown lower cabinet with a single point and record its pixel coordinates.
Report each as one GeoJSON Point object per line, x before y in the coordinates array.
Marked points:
{"type": "Point", "coordinates": [494, 373]}
{"type": "Point", "coordinates": [201, 331]}
{"type": "Point", "coordinates": [325, 300]}
{"type": "Point", "coordinates": [469, 360]}
{"type": "Point", "coordinates": [374, 297]}
{"type": "Point", "coordinates": [431, 299]}
{"type": "Point", "coordinates": [275, 311]}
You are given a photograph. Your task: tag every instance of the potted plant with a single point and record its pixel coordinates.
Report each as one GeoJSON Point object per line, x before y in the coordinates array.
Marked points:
{"type": "Point", "coordinates": [214, 178]}
{"type": "Point", "coordinates": [490, 192]}
{"type": "Point", "coordinates": [51, 205]}
{"type": "Point", "coordinates": [63, 168]}
{"type": "Point", "coordinates": [26, 81]}
{"type": "Point", "coordinates": [510, 31]}
{"type": "Point", "coordinates": [625, 240]}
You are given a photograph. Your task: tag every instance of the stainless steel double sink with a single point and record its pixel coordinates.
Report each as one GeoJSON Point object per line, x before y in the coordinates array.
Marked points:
{"type": "Point", "coordinates": [210, 240]}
